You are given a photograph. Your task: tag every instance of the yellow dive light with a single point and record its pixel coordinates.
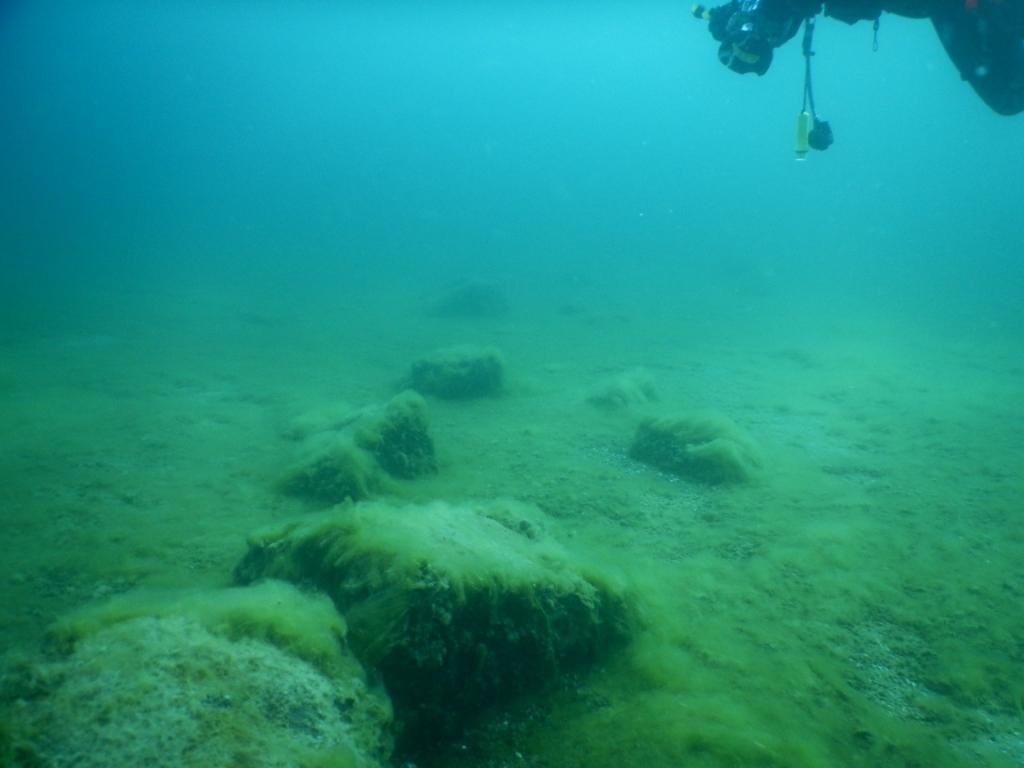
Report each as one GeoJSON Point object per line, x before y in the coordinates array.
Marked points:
{"type": "Point", "coordinates": [803, 131]}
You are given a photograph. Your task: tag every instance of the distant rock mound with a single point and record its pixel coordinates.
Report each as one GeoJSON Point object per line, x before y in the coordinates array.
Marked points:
{"type": "Point", "coordinates": [459, 373]}
{"type": "Point", "coordinates": [469, 299]}
{"type": "Point", "coordinates": [704, 447]}
{"type": "Point", "coordinates": [628, 389]}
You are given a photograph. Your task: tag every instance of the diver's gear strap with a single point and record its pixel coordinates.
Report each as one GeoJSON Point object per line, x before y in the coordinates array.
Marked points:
{"type": "Point", "coordinates": [808, 53]}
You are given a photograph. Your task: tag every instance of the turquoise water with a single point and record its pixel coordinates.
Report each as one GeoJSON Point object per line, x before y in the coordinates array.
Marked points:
{"type": "Point", "coordinates": [216, 219]}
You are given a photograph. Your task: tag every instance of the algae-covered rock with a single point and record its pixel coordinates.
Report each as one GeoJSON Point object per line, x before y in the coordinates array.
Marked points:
{"type": "Point", "coordinates": [459, 373]}
{"type": "Point", "coordinates": [303, 624]}
{"type": "Point", "coordinates": [703, 447]}
{"type": "Point", "coordinates": [349, 463]}
{"type": "Point", "coordinates": [398, 436]}
{"type": "Point", "coordinates": [174, 689]}
{"type": "Point", "coordinates": [627, 390]}
{"type": "Point", "coordinates": [460, 608]}
{"type": "Point", "coordinates": [331, 469]}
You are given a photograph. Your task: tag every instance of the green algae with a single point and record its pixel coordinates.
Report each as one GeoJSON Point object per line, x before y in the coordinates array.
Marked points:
{"type": "Point", "coordinates": [631, 389]}
{"type": "Point", "coordinates": [459, 373]}
{"type": "Point", "coordinates": [300, 623]}
{"type": "Point", "coordinates": [352, 457]}
{"type": "Point", "coordinates": [164, 691]}
{"type": "Point", "coordinates": [398, 436]}
{"type": "Point", "coordinates": [858, 605]}
{"type": "Point", "coordinates": [332, 469]}
{"type": "Point", "coordinates": [461, 609]}
{"type": "Point", "coordinates": [704, 447]}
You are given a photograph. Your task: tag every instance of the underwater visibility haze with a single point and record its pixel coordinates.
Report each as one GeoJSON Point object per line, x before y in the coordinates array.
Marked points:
{"type": "Point", "coordinates": [459, 384]}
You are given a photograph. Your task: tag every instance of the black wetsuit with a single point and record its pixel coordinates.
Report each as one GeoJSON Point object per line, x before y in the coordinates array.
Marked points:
{"type": "Point", "coordinates": [984, 38]}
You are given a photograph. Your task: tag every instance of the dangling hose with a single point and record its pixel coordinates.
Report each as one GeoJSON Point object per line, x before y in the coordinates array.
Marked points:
{"type": "Point", "coordinates": [811, 133]}
{"type": "Point", "coordinates": [808, 53]}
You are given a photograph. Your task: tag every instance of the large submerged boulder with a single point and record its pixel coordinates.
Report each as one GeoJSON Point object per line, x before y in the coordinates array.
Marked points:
{"type": "Point", "coordinates": [254, 677]}
{"type": "Point", "coordinates": [459, 608]}
{"type": "Point", "coordinates": [704, 447]}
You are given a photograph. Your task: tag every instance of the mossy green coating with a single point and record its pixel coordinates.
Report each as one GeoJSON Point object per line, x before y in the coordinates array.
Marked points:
{"type": "Point", "coordinates": [629, 389]}
{"type": "Point", "coordinates": [460, 608]}
{"type": "Point", "coordinates": [339, 757]}
{"type": "Point", "coordinates": [352, 462]}
{"type": "Point", "coordinates": [459, 373]}
{"type": "Point", "coordinates": [167, 692]}
{"type": "Point", "coordinates": [6, 746]}
{"type": "Point", "coordinates": [399, 438]}
{"type": "Point", "coordinates": [333, 469]}
{"type": "Point", "coordinates": [703, 447]}
{"type": "Point", "coordinates": [300, 623]}
{"type": "Point", "coordinates": [861, 599]}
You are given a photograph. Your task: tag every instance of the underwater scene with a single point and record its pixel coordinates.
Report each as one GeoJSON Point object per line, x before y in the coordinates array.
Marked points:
{"type": "Point", "coordinates": [446, 385]}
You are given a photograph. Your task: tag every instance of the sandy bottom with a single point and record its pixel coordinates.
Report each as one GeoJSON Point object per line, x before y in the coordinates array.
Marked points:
{"type": "Point", "coordinates": [860, 604]}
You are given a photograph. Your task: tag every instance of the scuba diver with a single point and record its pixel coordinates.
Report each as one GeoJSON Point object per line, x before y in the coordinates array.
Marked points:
{"type": "Point", "coordinates": [984, 39]}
